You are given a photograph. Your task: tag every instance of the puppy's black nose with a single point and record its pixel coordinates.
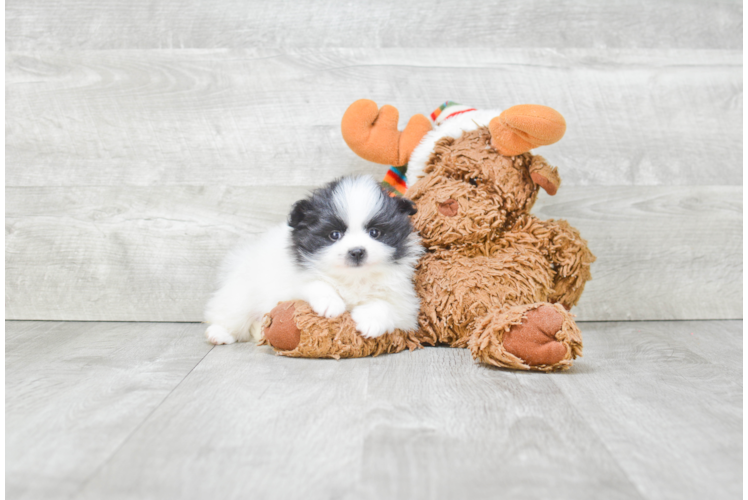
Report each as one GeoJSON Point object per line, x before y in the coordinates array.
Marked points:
{"type": "Point", "coordinates": [357, 255]}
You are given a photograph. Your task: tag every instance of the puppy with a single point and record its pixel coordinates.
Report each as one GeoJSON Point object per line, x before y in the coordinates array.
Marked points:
{"type": "Point", "coordinates": [347, 247]}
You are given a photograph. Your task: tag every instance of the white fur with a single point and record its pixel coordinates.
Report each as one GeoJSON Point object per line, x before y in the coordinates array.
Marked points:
{"type": "Point", "coordinates": [379, 294]}
{"type": "Point", "coordinates": [452, 127]}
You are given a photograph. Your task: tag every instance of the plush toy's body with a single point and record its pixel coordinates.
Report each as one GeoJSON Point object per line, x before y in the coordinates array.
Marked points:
{"type": "Point", "coordinates": [494, 279]}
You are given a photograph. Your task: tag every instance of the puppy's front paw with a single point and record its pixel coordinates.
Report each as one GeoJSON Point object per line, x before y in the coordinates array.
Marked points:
{"type": "Point", "coordinates": [372, 320]}
{"type": "Point", "coordinates": [216, 334]}
{"type": "Point", "coordinates": [329, 305]}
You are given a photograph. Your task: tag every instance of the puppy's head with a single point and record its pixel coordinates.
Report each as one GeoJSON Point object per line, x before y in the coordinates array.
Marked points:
{"type": "Point", "coordinates": [351, 223]}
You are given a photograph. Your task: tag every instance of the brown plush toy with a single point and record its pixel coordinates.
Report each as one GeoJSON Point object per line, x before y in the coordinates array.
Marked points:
{"type": "Point", "coordinates": [495, 279]}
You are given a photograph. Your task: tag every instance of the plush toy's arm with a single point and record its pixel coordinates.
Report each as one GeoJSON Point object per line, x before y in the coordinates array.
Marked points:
{"type": "Point", "coordinates": [571, 261]}
{"type": "Point", "coordinates": [565, 250]}
{"type": "Point", "coordinates": [294, 329]}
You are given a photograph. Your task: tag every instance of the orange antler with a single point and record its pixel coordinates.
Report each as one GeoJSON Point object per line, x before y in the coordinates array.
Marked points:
{"type": "Point", "coordinates": [527, 126]}
{"type": "Point", "coordinates": [372, 133]}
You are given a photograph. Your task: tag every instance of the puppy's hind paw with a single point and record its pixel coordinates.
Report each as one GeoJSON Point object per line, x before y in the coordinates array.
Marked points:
{"type": "Point", "coordinates": [216, 334]}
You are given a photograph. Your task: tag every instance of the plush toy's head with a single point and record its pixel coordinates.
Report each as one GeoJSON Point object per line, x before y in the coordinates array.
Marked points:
{"type": "Point", "coordinates": [469, 191]}
{"type": "Point", "coordinates": [473, 173]}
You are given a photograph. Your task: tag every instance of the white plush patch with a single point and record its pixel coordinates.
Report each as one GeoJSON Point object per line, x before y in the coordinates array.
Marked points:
{"type": "Point", "coordinates": [453, 127]}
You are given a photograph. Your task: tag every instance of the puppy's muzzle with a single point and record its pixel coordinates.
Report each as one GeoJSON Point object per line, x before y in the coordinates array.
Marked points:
{"type": "Point", "coordinates": [356, 256]}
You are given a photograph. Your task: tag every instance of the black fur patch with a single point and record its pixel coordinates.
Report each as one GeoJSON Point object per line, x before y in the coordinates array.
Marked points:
{"type": "Point", "coordinates": [393, 222]}
{"type": "Point", "coordinates": [312, 220]}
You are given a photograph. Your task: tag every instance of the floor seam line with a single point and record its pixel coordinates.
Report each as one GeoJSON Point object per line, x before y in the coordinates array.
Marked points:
{"type": "Point", "coordinates": [582, 417]}
{"type": "Point", "coordinates": [137, 428]}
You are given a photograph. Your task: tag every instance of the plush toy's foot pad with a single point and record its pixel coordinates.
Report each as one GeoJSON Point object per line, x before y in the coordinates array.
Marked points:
{"type": "Point", "coordinates": [534, 340]}
{"type": "Point", "coordinates": [280, 329]}
{"type": "Point", "coordinates": [539, 336]}
{"type": "Point", "coordinates": [293, 329]}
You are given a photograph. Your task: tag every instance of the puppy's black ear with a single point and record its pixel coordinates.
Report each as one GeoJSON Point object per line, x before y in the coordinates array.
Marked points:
{"type": "Point", "coordinates": [298, 212]}
{"type": "Point", "coordinates": [406, 206]}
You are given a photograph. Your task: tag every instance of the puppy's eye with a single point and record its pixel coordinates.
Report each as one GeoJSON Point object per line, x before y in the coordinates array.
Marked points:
{"type": "Point", "coordinates": [473, 181]}
{"type": "Point", "coordinates": [374, 233]}
{"type": "Point", "coordinates": [335, 235]}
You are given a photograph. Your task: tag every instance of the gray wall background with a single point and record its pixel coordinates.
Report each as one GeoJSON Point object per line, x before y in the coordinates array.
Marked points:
{"type": "Point", "coordinates": [144, 138]}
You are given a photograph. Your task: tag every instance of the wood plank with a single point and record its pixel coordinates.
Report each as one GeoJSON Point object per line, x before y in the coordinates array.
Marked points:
{"type": "Point", "coordinates": [715, 341]}
{"type": "Point", "coordinates": [667, 400]}
{"type": "Point", "coordinates": [75, 392]}
{"type": "Point", "coordinates": [271, 117]}
{"type": "Point", "coordinates": [642, 415]}
{"type": "Point", "coordinates": [151, 254]}
{"type": "Point", "coordinates": [104, 410]}
{"type": "Point", "coordinates": [135, 254]}
{"type": "Point", "coordinates": [745, 400]}
{"type": "Point", "coordinates": [249, 424]}
{"type": "Point", "coordinates": [443, 427]}
{"type": "Point", "coordinates": [428, 424]}
{"type": "Point", "coordinates": [66, 24]}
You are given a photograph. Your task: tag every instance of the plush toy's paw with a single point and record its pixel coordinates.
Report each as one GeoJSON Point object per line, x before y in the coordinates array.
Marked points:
{"type": "Point", "coordinates": [537, 336]}
{"type": "Point", "coordinates": [372, 320]}
{"type": "Point", "coordinates": [534, 340]}
{"type": "Point", "coordinates": [280, 330]}
{"type": "Point", "coordinates": [328, 304]}
{"type": "Point", "coordinates": [216, 334]}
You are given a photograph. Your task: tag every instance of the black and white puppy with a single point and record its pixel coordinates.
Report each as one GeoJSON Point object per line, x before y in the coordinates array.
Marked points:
{"type": "Point", "coordinates": [347, 247]}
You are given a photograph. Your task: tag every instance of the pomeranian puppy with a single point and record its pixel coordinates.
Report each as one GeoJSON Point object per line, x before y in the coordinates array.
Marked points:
{"type": "Point", "coordinates": [347, 247]}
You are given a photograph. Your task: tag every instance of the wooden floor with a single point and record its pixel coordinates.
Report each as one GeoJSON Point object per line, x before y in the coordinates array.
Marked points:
{"type": "Point", "coordinates": [150, 410]}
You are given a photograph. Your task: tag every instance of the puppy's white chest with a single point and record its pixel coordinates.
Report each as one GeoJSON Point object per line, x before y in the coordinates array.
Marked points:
{"type": "Point", "coordinates": [357, 292]}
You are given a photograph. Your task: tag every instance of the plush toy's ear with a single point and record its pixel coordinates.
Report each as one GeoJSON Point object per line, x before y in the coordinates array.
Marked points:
{"type": "Point", "coordinates": [544, 175]}
{"type": "Point", "coordinates": [298, 212]}
{"type": "Point", "coordinates": [406, 206]}
{"type": "Point", "coordinates": [372, 133]}
{"type": "Point", "coordinates": [527, 126]}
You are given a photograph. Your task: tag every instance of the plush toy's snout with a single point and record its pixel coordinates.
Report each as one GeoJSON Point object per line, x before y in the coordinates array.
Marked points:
{"type": "Point", "coordinates": [449, 208]}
